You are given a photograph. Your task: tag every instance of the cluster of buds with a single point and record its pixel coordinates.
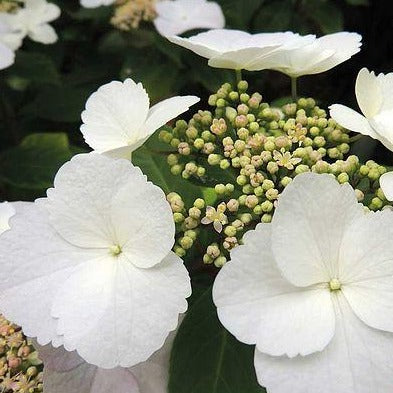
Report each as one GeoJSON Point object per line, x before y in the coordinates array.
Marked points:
{"type": "Point", "coordinates": [130, 13]}
{"type": "Point", "coordinates": [249, 152]}
{"type": "Point", "coordinates": [20, 368]}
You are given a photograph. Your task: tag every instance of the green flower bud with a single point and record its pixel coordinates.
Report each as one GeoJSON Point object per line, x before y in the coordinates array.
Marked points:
{"type": "Point", "coordinates": [207, 259]}
{"type": "Point", "coordinates": [191, 234]}
{"type": "Point", "coordinates": [229, 188]}
{"type": "Point", "coordinates": [269, 145]}
{"type": "Point", "coordinates": [319, 141]}
{"type": "Point", "coordinates": [172, 159]}
{"type": "Point", "coordinates": [343, 178]}
{"type": "Point", "coordinates": [373, 174]}
{"type": "Point", "coordinates": [246, 218]}
{"type": "Point", "coordinates": [184, 148]}
{"type": "Point", "coordinates": [267, 206]}
{"type": "Point", "coordinates": [199, 143]}
{"type": "Point", "coordinates": [376, 204]}
{"type": "Point", "coordinates": [220, 189]}
{"type": "Point", "coordinates": [243, 133]}
{"type": "Point", "coordinates": [314, 131]}
{"type": "Point", "coordinates": [186, 242]}
{"type": "Point", "coordinates": [213, 100]}
{"type": "Point", "coordinates": [233, 205]}
{"type": "Point", "coordinates": [230, 230]}
{"type": "Point", "coordinates": [165, 136]}
{"type": "Point", "coordinates": [248, 189]}
{"type": "Point", "coordinates": [214, 159]}
{"type": "Point", "coordinates": [285, 181]}
{"type": "Point", "coordinates": [220, 261]}
{"type": "Point", "coordinates": [272, 167]}
{"type": "Point", "coordinates": [176, 169]}
{"type": "Point", "coordinates": [213, 250]}
{"type": "Point", "coordinates": [199, 203]}
{"type": "Point", "coordinates": [192, 132]}
{"type": "Point", "coordinates": [258, 191]}
{"type": "Point", "coordinates": [242, 200]}
{"type": "Point", "coordinates": [266, 218]}
{"type": "Point", "coordinates": [267, 184]}
{"type": "Point", "coordinates": [234, 96]}
{"type": "Point", "coordinates": [272, 194]}
{"type": "Point", "coordinates": [179, 251]}
{"type": "Point", "coordinates": [242, 86]}
{"type": "Point", "coordinates": [253, 126]}
{"type": "Point", "coordinates": [242, 180]}
{"type": "Point", "coordinates": [241, 121]}
{"type": "Point", "coordinates": [178, 218]}
{"type": "Point", "coordinates": [207, 136]}
{"type": "Point", "coordinates": [244, 97]}
{"type": "Point", "coordinates": [302, 169]}
{"type": "Point", "coordinates": [251, 201]}
{"type": "Point", "coordinates": [175, 142]}
{"type": "Point", "coordinates": [220, 103]}
{"type": "Point", "coordinates": [201, 171]}
{"type": "Point", "coordinates": [194, 212]}
{"type": "Point", "coordinates": [224, 164]}
{"type": "Point", "coordinates": [191, 223]}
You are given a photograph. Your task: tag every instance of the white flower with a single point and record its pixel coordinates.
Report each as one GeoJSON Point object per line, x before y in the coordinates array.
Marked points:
{"type": "Point", "coordinates": [235, 49]}
{"type": "Point", "coordinates": [7, 210]}
{"type": "Point", "coordinates": [66, 372]}
{"type": "Point", "coordinates": [117, 119]}
{"type": "Point", "coordinates": [10, 35]}
{"type": "Point", "coordinates": [178, 16]}
{"type": "Point", "coordinates": [33, 21]}
{"type": "Point", "coordinates": [95, 3]}
{"type": "Point", "coordinates": [7, 56]}
{"type": "Point", "coordinates": [375, 100]}
{"type": "Point", "coordinates": [314, 291]}
{"type": "Point", "coordinates": [315, 56]}
{"type": "Point", "coordinates": [90, 266]}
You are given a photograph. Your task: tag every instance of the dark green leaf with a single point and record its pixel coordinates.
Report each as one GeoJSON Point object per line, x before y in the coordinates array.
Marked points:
{"type": "Point", "coordinates": [206, 358]}
{"type": "Point", "coordinates": [327, 16]}
{"type": "Point", "coordinates": [34, 163]}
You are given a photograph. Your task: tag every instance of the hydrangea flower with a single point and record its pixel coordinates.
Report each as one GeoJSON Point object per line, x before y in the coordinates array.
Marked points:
{"type": "Point", "coordinates": [178, 16]}
{"type": "Point", "coordinates": [33, 20]}
{"type": "Point", "coordinates": [235, 49]}
{"type": "Point", "coordinates": [375, 100]}
{"type": "Point", "coordinates": [117, 119]}
{"type": "Point", "coordinates": [95, 3]}
{"type": "Point", "coordinates": [10, 35]}
{"type": "Point", "coordinates": [315, 56]}
{"type": "Point", "coordinates": [314, 291]}
{"type": "Point", "coordinates": [91, 267]}
{"type": "Point", "coordinates": [66, 372]}
{"type": "Point", "coordinates": [7, 210]}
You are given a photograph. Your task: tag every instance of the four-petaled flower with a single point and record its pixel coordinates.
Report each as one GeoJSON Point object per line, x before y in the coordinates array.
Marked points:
{"type": "Point", "coordinates": [90, 267]}
{"type": "Point", "coordinates": [217, 217]}
{"type": "Point", "coordinates": [285, 159]}
{"type": "Point", "coordinates": [117, 119]}
{"type": "Point", "coordinates": [314, 291]}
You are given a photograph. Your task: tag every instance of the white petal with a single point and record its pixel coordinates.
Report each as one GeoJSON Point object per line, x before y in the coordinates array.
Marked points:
{"type": "Point", "coordinates": [95, 3]}
{"type": "Point", "coordinates": [153, 374]}
{"type": "Point", "coordinates": [45, 34]}
{"type": "Point", "coordinates": [344, 45]}
{"type": "Point", "coordinates": [368, 93]}
{"type": "Point", "coordinates": [7, 57]}
{"type": "Point", "coordinates": [245, 58]}
{"type": "Point", "coordinates": [80, 202]}
{"type": "Point", "coordinates": [386, 183]}
{"type": "Point", "coordinates": [6, 212]}
{"type": "Point", "coordinates": [382, 124]}
{"type": "Point", "coordinates": [166, 110]}
{"type": "Point", "coordinates": [148, 233]}
{"type": "Point", "coordinates": [256, 304]}
{"type": "Point", "coordinates": [115, 115]}
{"type": "Point", "coordinates": [67, 372]}
{"type": "Point", "coordinates": [213, 42]}
{"type": "Point", "coordinates": [358, 360]}
{"type": "Point", "coordinates": [34, 260]}
{"type": "Point", "coordinates": [352, 120]}
{"type": "Point", "coordinates": [386, 84]}
{"type": "Point", "coordinates": [313, 214]}
{"type": "Point", "coordinates": [366, 269]}
{"type": "Point", "coordinates": [179, 16]}
{"type": "Point", "coordinates": [128, 324]}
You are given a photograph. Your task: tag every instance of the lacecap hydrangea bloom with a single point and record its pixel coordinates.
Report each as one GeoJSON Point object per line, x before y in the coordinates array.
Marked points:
{"type": "Point", "coordinates": [178, 16]}
{"type": "Point", "coordinates": [117, 119]}
{"type": "Point", "coordinates": [313, 291]}
{"type": "Point", "coordinates": [90, 267]}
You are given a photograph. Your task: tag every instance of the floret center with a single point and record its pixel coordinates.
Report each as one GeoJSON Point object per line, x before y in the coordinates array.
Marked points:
{"type": "Point", "coordinates": [115, 250]}
{"type": "Point", "coordinates": [335, 284]}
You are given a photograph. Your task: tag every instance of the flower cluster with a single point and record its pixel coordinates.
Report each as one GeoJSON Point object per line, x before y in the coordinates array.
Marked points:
{"type": "Point", "coordinates": [20, 368]}
{"type": "Point", "coordinates": [129, 14]}
{"type": "Point", "coordinates": [30, 20]}
{"type": "Point", "coordinates": [258, 149]}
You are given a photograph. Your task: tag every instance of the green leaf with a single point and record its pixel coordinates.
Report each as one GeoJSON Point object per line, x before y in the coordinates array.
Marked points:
{"type": "Point", "coordinates": [34, 67]}
{"type": "Point", "coordinates": [63, 104]}
{"type": "Point", "coordinates": [151, 158]}
{"type": "Point", "coordinates": [34, 163]}
{"type": "Point", "coordinates": [206, 358]}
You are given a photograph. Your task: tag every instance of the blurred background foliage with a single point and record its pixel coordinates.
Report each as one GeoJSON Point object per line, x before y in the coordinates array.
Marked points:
{"type": "Point", "coordinates": [44, 92]}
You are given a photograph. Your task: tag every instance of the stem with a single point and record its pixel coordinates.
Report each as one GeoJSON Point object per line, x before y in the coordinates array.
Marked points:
{"type": "Point", "coordinates": [355, 138]}
{"type": "Point", "coordinates": [294, 88]}
{"type": "Point", "coordinates": [238, 75]}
